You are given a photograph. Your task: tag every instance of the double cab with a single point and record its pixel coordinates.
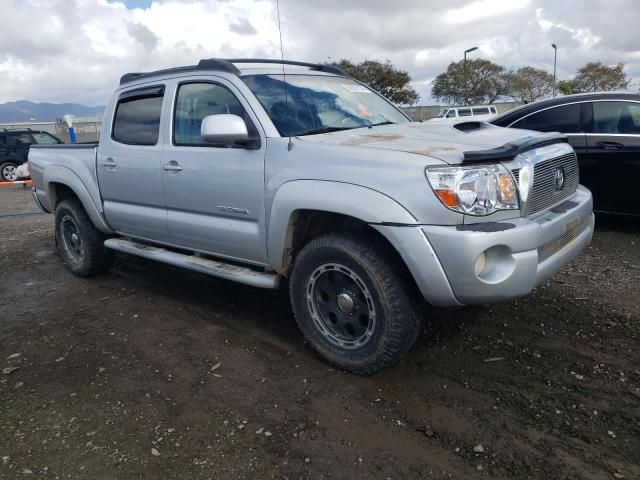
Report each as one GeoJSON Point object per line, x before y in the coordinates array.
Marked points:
{"type": "Point", "coordinates": [269, 172]}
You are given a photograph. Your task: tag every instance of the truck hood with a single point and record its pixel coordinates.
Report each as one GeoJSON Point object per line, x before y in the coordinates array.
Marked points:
{"type": "Point", "coordinates": [453, 143]}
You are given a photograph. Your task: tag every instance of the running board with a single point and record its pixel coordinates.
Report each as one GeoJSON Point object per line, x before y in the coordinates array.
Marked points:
{"type": "Point", "coordinates": [197, 264]}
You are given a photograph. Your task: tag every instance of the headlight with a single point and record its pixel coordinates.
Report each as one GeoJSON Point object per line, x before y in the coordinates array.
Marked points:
{"type": "Point", "coordinates": [474, 190]}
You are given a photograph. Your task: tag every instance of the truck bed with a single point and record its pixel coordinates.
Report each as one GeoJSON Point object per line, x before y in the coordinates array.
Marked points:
{"type": "Point", "coordinates": [49, 164]}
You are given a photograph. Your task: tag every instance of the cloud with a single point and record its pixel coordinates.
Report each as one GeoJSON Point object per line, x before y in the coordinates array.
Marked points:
{"type": "Point", "coordinates": [241, 26]}
{"type": "Point", "coordinates": [142, 34]}
{"type": "Point", "coordinates": [76, 50]}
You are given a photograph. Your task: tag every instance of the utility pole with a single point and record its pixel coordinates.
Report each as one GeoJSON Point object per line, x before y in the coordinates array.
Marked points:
{"type": "Point", "coordinates": [555, 58]}
{"type": "Point", "coordinates": [464, 73]}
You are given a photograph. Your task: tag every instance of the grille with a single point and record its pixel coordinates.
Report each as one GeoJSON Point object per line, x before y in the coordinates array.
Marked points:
{"type": "Point", "coordinates": [543, 194]}
{"type": "Point", "coordinates": [550, 248]}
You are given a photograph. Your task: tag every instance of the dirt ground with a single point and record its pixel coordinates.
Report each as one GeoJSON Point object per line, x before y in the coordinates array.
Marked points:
{"type": "Point", "coordinates": [154, 372]}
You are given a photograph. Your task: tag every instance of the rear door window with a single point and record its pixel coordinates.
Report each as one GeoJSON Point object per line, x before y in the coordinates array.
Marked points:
{"type": "Point", "coordinates": [19, 140]}
{"type": "Point", "coordinates": [44, 139]}
{"type": "Point", "coordinates": [464, 112]}
{"type": "Point", "coordinates": [137, 117]}
{"type": "Point", "coordinates": [481, 111]}
{"type": "Point", "coordinates": [563, 119]}
{"type": "Point", "coordinates": [616, 118]}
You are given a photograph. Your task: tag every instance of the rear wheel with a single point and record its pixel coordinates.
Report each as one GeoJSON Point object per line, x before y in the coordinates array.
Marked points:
{"type": "Point", "coordinates": [80, 244]}
{"type": "Point", "coordinates": [354, 301]}
{"type": "Point", "coordinates": [8, 171]}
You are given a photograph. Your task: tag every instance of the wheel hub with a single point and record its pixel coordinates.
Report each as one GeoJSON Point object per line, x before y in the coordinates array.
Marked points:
{"type": "Point", "coordinates": [9, 172]}
{"type": "Point", "coordinates": [71, 239]}
{"type": "Point", "coordinates": [345, 303]}
{"type": "Point", "coordinates": [341, 306]}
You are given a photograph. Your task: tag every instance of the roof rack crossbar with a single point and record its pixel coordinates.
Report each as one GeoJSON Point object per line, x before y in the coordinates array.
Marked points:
{"type": "Point", "coordinates": [313, 66]}
{"type": "Point", "coordinates": [204, 64]}
{"type": "Point", "coordinates": [228, 66]}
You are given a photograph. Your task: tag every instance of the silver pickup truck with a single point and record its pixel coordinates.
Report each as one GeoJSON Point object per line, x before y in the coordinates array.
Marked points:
{"type": "Point", "coordinates": [259, 170]}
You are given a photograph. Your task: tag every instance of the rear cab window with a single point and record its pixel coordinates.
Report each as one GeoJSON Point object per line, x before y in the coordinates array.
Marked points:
{"type": "Point", "coordinates": [137, 116]}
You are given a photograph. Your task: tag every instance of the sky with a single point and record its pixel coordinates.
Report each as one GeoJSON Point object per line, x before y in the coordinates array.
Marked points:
{"type": "Point", "coordinates": [76, 50]}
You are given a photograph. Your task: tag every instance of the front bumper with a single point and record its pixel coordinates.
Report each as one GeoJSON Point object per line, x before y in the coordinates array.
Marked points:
{"type": "Point", "coordinates": [519, 253]}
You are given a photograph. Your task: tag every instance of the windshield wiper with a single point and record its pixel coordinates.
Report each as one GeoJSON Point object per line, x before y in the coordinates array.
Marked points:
{"type": "Point", "coordinates": [381, 123]}
{"type": "Point", "coordinates": [317, 131]}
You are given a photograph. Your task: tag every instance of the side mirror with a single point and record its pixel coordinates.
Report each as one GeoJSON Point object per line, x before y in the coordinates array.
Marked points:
{"type": "Point", "coordinates": [224, 129]}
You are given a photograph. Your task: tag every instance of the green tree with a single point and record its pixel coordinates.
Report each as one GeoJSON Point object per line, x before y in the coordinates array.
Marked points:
{"type": "Point", "coordinates": [566, 87]}
{"type": "Point", "coordinates": [598, 77]}
{"type": "Point", "coordinates": [384, 78]}
{"type": "Point", "coordinates": [529, 84]}
{"type": "Point", "coordinates": [479, 81]}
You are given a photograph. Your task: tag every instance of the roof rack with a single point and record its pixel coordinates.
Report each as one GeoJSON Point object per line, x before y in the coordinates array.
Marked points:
{"type": "Point", "coordinates": [313, 66]}
{"type": "Point", "coordinates": [222, 65]}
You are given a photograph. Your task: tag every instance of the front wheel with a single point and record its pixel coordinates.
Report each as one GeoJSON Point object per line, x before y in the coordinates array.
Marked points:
{"type": "Point", "coordinates": [8, 172]}
{"type": "Point", "coordinates": [354, 301]}
{"type": "Point", "coordinates": [80, 244]}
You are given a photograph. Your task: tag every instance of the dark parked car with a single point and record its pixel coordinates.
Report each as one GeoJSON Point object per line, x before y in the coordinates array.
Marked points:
{"type": "Point", "coordinates": [604, 130]}
{"type": "Point", "coordinates": [14, 147]}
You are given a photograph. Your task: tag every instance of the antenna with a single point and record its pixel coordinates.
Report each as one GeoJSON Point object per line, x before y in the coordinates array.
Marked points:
{"type": "Point", "coordinates": [284, 80]}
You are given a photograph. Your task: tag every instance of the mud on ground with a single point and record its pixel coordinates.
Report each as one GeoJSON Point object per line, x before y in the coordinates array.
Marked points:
{"type": "Point", "coordinates": [153, 372]}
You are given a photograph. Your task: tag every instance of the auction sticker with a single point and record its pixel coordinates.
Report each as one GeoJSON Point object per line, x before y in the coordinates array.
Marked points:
{"type": "Point", "coordinates": [355, 88]}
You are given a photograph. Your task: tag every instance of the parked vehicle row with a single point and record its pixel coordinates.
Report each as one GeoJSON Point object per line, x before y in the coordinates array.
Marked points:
{"type": "Point", "coordinates": [240, 170]}
{"type": "Point", "coordinates": [14, 148]}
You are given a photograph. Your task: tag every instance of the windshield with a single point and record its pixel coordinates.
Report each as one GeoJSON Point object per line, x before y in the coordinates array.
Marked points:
{"type": "Point", "coordinates": [320, 104]}
{"type": "Point", "coordinates": [441, 114]}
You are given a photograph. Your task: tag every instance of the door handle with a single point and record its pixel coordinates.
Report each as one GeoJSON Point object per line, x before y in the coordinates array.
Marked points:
{"type": "Point", "coordinates": [172, 166]}
{"type": "Point", "coordinates": [610, 145]}
{"type": "Point", "coordinates": [109, 162]}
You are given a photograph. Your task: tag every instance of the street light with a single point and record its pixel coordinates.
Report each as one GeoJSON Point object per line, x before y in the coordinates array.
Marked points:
{"type": "Point", "coordinates": [555, 58]}
{"type": "Point", "coordinates": [464, 73]}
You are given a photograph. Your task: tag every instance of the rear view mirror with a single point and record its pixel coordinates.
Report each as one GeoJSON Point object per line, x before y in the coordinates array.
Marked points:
{"type": "Point", "coordinates": [224, 129]}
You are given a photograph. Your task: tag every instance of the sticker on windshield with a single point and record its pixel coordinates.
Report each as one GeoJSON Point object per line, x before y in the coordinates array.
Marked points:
{"type": "Point", "coordinates": [355, 88]}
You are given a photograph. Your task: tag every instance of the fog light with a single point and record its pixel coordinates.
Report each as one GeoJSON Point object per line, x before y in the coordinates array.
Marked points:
{"type": "Point", "coordinates": [481, 261]}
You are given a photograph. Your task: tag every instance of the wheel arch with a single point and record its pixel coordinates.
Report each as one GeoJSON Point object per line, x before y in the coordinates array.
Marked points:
{"type": "Point", "coordinates": [303, 209]}
{"type": "Point", "coordinates": [62, 183]}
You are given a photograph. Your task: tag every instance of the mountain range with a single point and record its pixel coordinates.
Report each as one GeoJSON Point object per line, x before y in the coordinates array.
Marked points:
{"type": "Point", "coordinates": [25, 111]}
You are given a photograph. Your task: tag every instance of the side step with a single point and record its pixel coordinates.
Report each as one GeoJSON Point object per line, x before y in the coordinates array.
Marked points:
{"type": "Point", "coordinates": [197, 264]}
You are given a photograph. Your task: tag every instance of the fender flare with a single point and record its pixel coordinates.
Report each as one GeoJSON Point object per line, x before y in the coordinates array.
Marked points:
{"type": "Point", "coordinates": [365, 204]}
{"type": "Point", "coordinates": [68, 178]}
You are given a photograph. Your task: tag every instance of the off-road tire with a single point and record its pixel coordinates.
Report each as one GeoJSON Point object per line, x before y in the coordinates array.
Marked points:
{"type": "Point", "coordinates": [4, 165]}
{"type": "Point", "coordinates": [95, 258]}
{"type": "Point", "coordinates": [396, 300]}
